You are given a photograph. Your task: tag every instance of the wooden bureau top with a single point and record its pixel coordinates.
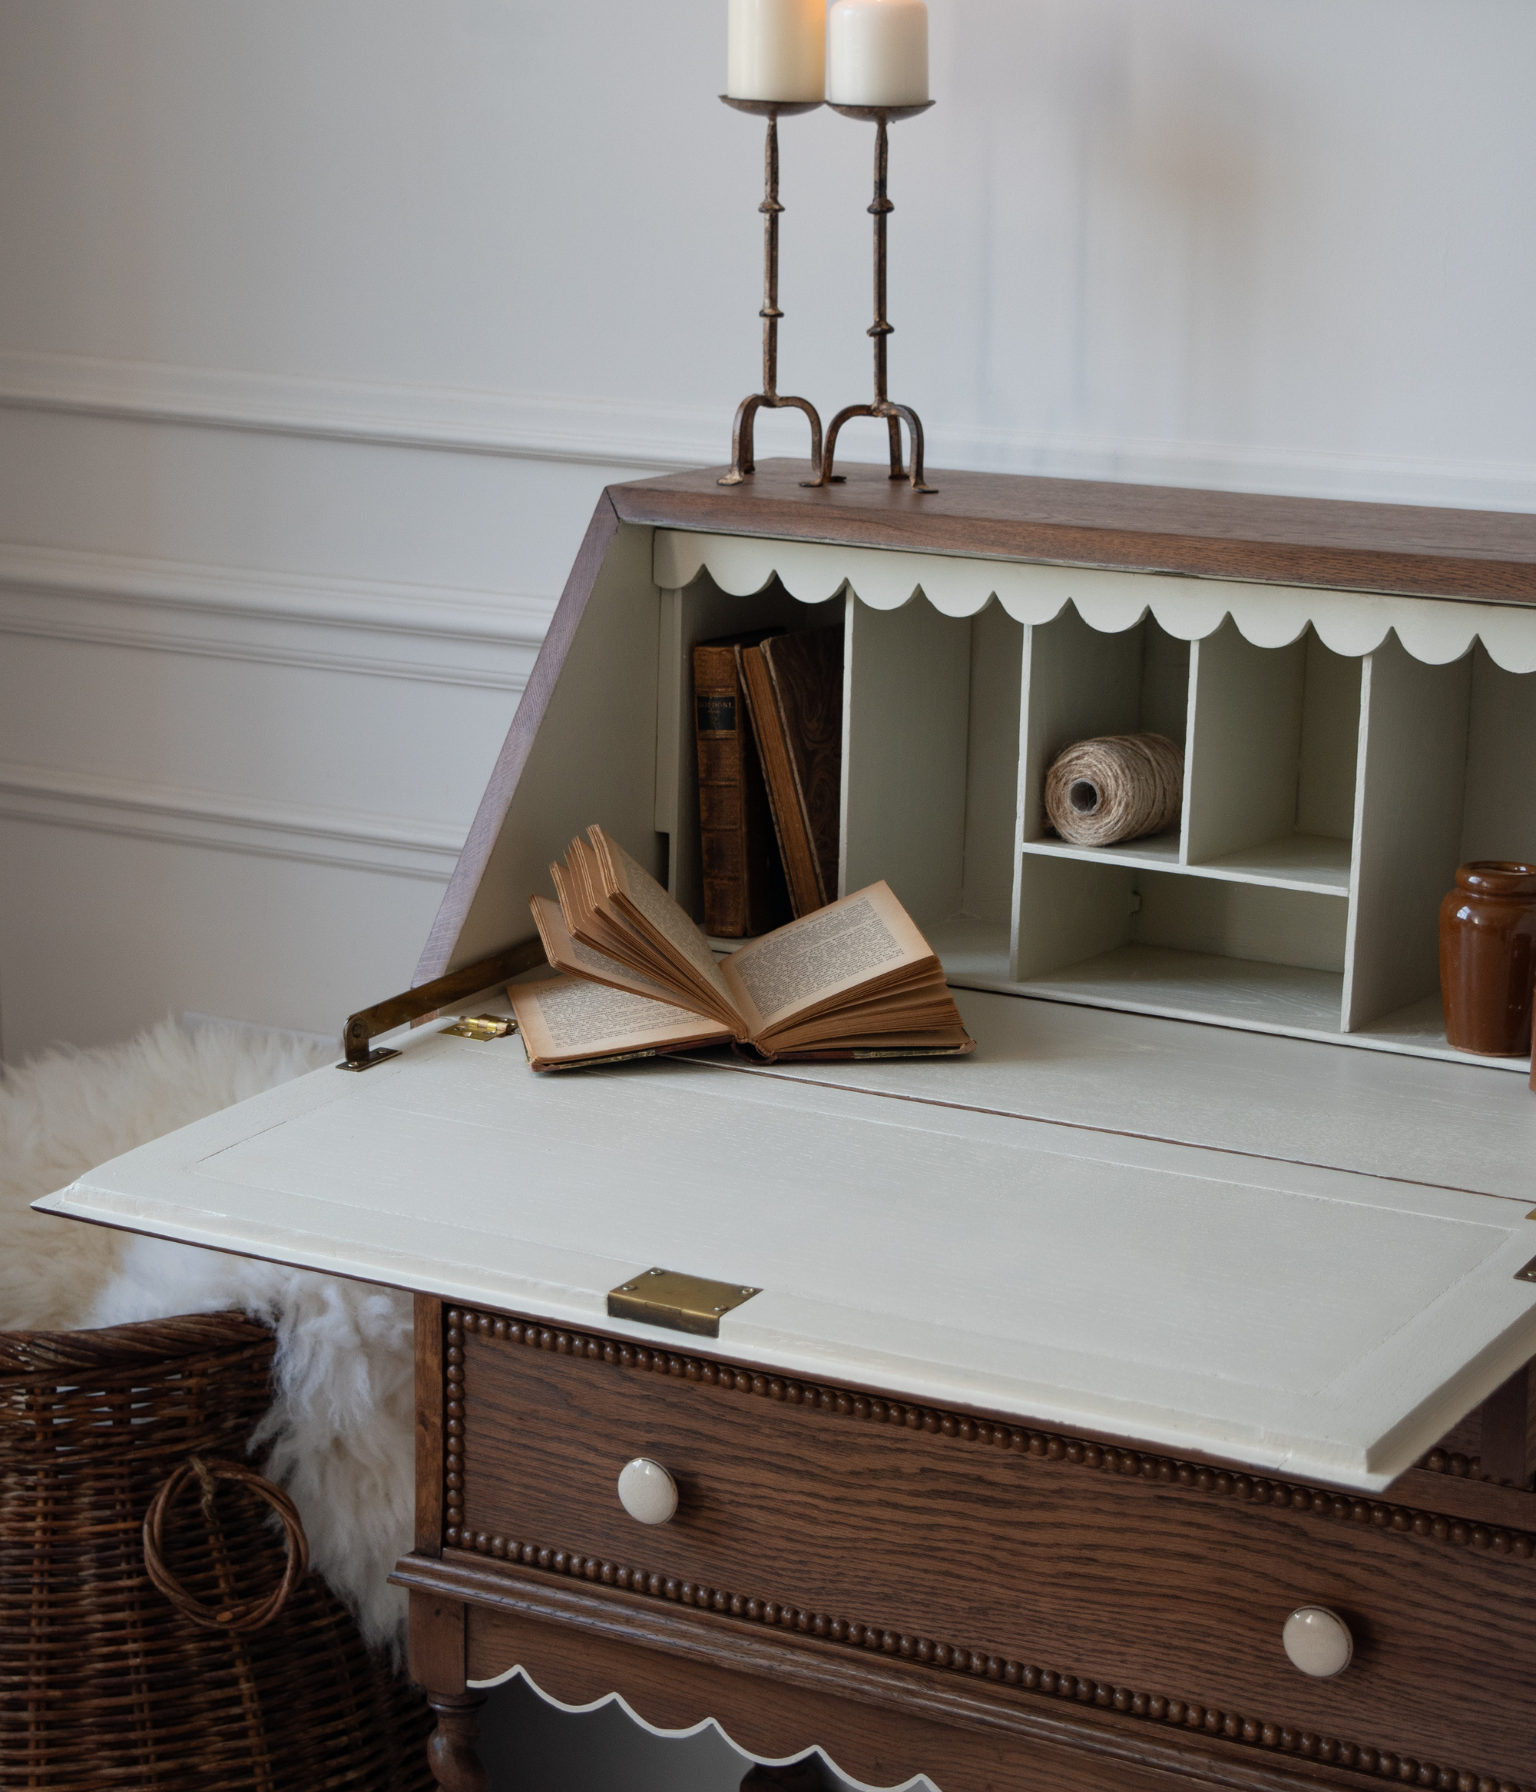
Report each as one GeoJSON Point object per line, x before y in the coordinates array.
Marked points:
{"type": "Point", "coordinates": [1416, 550]}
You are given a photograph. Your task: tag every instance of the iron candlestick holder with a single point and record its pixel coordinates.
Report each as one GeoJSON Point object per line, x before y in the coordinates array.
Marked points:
{"type": "Point", "coordinates": [741, 434]}
{"type": "Point", "coordinates": [894, 414]}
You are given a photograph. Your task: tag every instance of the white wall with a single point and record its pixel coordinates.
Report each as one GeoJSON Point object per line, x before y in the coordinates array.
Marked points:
{"type": "Point", "coordinates": [1271, 242]}
{"type": "Point", "coordinates": [323, 323]}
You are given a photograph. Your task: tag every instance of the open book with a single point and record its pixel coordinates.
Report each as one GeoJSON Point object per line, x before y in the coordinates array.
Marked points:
{"type": "Point", "coordinates": [855, 979]}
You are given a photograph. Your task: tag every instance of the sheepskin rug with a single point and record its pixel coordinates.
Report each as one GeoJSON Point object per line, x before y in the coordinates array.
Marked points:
{"type": "Point", "coordinates": [339, 1433]}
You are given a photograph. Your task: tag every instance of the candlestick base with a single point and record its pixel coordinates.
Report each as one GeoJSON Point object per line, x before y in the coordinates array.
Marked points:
{"type": "Point", "coordinates": [895, 415]}
{"type": "Point", "coordinates": [742, 462]}
{"type": "Point", "coordinates": [880, 330]}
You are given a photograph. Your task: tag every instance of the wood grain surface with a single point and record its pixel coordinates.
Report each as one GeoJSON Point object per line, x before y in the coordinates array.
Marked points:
{"type": "Point", "coordinates": [437, 1641]}
{"type": "Point", "coordinates": [1508, 1430]}
{"type": "Point", "coordinates": [451, 1751]}
{"type": "Point", "coordinates": [429, 1424]}
{"type": "Point", "coordinates": [1474, 1499]}
{"type": "Point", "coordinates": [879, 1720]}
{"type": "Point", "coordinates": [1149, 1585]}
{"type": "Point", "coordinates": [805, 669]}
{"type": "Point", "coordinates": [1416, 550]}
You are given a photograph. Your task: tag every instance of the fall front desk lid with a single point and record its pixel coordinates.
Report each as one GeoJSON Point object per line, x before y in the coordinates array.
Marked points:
{"type": "Point", "coordinates": [1301, 1260]}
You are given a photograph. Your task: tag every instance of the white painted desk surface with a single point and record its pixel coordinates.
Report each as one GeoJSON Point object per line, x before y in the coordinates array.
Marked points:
{"type": "Point", "coordinates": [1291, 1255]}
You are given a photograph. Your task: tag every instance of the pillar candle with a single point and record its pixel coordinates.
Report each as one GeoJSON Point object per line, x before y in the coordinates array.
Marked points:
{"type": "Point", "coordinates": [776, 49]}
{"type": "Point", "coordinates": [877, 53]}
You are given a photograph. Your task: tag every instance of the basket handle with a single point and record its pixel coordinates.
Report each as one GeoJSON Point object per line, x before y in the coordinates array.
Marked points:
{"type": "Point", "coordinates": [233, 1615]}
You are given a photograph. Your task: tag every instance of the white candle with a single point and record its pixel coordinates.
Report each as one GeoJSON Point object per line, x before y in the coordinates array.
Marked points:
{"type": "Point", "coordinates": [877, 53]}
{"type": "Point", "coordinates": [776, 50]}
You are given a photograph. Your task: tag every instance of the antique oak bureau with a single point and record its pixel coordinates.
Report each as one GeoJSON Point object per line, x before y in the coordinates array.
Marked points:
{"type": "Point", "coordinates": [1141, 1402]}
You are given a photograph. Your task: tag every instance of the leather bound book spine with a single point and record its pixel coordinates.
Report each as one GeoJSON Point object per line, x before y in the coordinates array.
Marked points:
{"type": "Point", "coordinates": [743, 884]}
{"type": "Point", "coordinates": [806, 889]}
{"type": "Point", "coordinates": [806, 672]}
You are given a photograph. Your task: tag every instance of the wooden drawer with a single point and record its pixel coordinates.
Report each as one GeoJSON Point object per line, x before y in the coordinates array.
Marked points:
{"type": "Point", "coordinates": [1066, 1569]}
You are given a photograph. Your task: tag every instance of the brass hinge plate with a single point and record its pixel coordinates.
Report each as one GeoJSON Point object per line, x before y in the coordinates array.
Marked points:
{"type": "Point", "coordinates": [681, 1303]}
{"type": "Point", "coordinates": [481, 1026]}
{"type": "Point", "coordinates": [1528, 1274]}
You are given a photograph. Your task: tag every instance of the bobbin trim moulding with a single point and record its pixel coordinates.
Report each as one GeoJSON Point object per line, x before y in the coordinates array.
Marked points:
{"type": "Point", "coordinates": [1051, 1446]}
{"type": "Point", "coordinates": [1245, 1724]}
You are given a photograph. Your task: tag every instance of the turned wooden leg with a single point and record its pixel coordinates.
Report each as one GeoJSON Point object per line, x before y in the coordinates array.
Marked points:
{"type": "Point", "coordinates": [451, 1752]}
{"type": "Point", "coordinates": [799, 1776]}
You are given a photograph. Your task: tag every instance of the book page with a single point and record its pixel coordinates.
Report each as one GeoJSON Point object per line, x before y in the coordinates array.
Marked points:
{"type": "Point", "coordinates": [600, 926]}
{"type": "Point", "coordinates": [579, 960]}
{"type": "Point", "coordinates": [665, 918]}
{"type": "Point", "coordinates": [566, 1017]}
{"type": "Point", "coordinates": [582, 861]}
{"type": "Point", "coordinates": [810, 962]}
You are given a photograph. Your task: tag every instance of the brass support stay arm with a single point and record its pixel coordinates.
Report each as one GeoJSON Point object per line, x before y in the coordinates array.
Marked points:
{"type": "Point", "coordinates": [426, 998]}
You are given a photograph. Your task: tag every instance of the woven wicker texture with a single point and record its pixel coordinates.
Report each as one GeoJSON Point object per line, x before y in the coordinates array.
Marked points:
{"type": "Point", "coordinates": [104, 1683]}
{"type": "Point", "coordinates": [1116, 787]}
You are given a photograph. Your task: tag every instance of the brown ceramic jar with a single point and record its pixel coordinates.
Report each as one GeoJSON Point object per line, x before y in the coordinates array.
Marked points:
{"type": "Point", "coordinates": [1487, 924]}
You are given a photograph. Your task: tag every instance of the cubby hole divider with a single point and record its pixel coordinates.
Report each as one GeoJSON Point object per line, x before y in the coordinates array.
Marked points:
{"type": "Point", "coordinates": [1328, 800]}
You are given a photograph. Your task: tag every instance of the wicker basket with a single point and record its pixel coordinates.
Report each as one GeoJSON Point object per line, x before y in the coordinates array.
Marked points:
{"type": "Point", "coordinates": [217, 1682]}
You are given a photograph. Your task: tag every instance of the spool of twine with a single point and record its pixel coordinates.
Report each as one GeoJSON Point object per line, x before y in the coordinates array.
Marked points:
{"type": "Point", "coordinates": [1117, 787]}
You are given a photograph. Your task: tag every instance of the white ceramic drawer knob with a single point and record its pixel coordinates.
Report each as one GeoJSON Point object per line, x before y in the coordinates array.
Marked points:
{"type": "Point", "coordinates": [646, 1491]}
{"type": "Point", "coordinates": [1318, 1641]}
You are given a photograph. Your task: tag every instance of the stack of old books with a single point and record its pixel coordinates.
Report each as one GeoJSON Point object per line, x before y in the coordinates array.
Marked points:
{"type": "Point", "coordinates": [769, 724]}
{"type": "Point", "coordinates": [817, 977]}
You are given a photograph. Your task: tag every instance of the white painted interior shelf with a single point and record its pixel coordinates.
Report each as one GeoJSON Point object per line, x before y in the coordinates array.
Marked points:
{"type": "Point", "coordinates": [1344, 752]}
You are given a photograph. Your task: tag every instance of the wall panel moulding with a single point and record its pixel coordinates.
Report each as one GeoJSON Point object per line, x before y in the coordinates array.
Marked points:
{"type": "Point", "coordinates": [654, 437]}
{"type": "Point", "coordinates": [426, 634]}
{"type": "Point", "coordinates": [227, 823]}
{"type": "Point", "coordinates": [598, 432]}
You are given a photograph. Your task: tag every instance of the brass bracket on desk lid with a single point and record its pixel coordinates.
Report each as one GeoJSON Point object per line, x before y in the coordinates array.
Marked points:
{"type": "Point", "coordinates": [427, 998]}
{"type": "Point", "coordinates": [681, 1303]}
{"type": "Point", "coordinates": [481, 1026]}
{"type": "Point", "coordinates": [1528, 1274]}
